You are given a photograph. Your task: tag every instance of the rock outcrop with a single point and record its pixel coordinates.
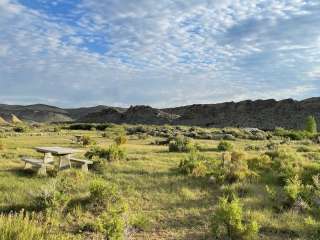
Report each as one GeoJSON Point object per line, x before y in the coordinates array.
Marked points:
{"type": "Point", "coordinates": [262, 114]}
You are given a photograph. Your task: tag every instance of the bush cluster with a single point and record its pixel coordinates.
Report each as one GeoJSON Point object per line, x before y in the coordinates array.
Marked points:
{"type": "Point", "coordinates": [111, 154]}
{"type": "Point", "coordinates": [293, 134]}
{"type": "Point", "coordinates": [195, 164]}
{"type": "Point", "coordinates": [182, 144]}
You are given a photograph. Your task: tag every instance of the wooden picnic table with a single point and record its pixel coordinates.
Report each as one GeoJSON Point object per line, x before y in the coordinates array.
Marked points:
{"type": "Point", "coordinates": [62, 152]}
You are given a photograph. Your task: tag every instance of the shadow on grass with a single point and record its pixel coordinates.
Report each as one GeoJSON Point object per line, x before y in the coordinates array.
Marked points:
{"type": "Point", "coordinates": [283, 233]}
{"type": "Point", "coordinates": [16, 208]}
{"type": "Point", "coordinates": [20, 172]}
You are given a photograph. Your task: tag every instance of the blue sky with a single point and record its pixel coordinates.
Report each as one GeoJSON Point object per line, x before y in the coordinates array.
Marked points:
{"type": "Point", "coordinates": [161, 53]}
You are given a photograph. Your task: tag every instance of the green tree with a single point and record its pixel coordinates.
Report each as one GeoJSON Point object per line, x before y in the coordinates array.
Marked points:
{"type": "Point", "coordinates": [311, 125]}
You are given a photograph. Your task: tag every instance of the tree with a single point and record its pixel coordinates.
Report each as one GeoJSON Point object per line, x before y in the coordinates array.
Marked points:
{"type": "Point", "coordinates": [311, 125]}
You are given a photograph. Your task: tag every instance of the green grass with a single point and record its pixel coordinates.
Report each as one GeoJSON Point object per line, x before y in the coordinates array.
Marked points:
{"type": "Point", "coordinates": [173, 205]}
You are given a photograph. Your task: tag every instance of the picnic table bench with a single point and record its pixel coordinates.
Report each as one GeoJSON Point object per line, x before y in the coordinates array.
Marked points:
{"type": "Point", "coordinates": [63, 154]}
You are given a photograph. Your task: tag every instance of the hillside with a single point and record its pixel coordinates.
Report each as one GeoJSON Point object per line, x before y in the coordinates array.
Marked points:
{"type": "Point", "coordinates": [264, 114]}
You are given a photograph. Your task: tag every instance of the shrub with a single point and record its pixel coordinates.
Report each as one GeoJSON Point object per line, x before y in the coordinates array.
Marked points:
{"type": "Point", "coordinates": [194, 164]}
{"type": "Point", "coordinates": [44, 198]}
{"type": "Point", "coordinates": [1, 145]}
{"type": "Point", "coordinates": [108, 203]}
{"type": "Point", "coordinates": [103, 192]}
{"type": "Point", "coordinates": [228, 222]}
{"type": "Point", "coordinates": [181, 144]}
{"type": "Point", "coordinates": [20, 129]}
{"type": "Point", "coordinates": [120, 140]}
{"type": "Point", "coordinates": [225, 146]}
{"type": "Point", "coordinates": [311, 125]}
{"type": "Point", "coordinates": [113, 153]}
{"type": "Point", "coordinates": [112, 224]}
{"type": "Point", "coordinates": [293, 189]}
{"type": "Point", "coordinates": [87, 140]}
{"type": "Point", "coordinates": [293, 134]}
{"type": "Point", "coordinates": [81, 126]}
{"type": "Point", "coordinates": [262, 162]}
{"type": "Point", "coordinates": [103, 127]}
{"type": "Point", "coordinates": [286, 164]}
{"type": "Point", "coordinates": [234, 168]}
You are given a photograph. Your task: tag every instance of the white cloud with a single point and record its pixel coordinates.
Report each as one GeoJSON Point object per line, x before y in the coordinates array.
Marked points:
{"type": "Point", "coordinates": [159, 52]}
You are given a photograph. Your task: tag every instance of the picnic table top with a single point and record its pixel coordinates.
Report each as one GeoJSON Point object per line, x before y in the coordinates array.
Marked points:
{"type": "Point", "coordinates": [57, 150]}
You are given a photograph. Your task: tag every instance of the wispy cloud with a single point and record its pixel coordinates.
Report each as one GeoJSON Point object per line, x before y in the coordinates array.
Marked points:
{"type": "Point", "coordinates": [157, 52]}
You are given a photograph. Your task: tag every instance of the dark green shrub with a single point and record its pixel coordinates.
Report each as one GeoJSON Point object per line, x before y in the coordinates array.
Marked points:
{"type": "Point", "coordinates": [224, 146]}
{"type": "Point", "coordinates": [82, 126]}
{"type": "Point", "coordinates": [20, 129]}
{"type": "Point", "coordinates": [103, 127]}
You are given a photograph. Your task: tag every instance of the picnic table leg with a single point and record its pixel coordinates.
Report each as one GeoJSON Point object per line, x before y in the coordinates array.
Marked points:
{"type": "Point", "coordinates": [65, 161]}
{"type": "Point", "coordinates": [84, 167]}
{"type": "Point", "coordinates": [42, 171]}
{"type": "Point", "coordinates": [48, 158]}
{"type": "Point", "coordinates": [27, 165]}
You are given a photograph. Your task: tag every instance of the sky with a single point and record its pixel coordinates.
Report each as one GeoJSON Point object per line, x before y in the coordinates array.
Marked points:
{"type": "Point", "coordinates": [73, 53]}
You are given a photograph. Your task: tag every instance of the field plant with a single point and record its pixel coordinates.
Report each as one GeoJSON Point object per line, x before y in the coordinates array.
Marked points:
{"type": "Point", "coordinates": [234, 168]}
{"type": "Point", "coordinates": [121, 139]}
{"type": "Point", "coordinates": [111, 154]}
{"type": "Point", "coordinates": [287, 164]}
{"type": "Point", "coordinates": [87, 140]}
{"type": "Point", "coordinates": [195, 164]}
{"type": "Point", "coordinates": [182, 144]}
{"type": "Point", "coordinates": [108, 204]}
{"type": "Point", "coordinates": [311, 125]}
{"type": "Point", "coordinates": [228, 222]}
{"type": "Point", "coordinates": [225, 146]}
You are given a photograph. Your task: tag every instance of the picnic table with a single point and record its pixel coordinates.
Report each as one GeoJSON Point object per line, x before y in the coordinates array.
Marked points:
{"type": "Point", "coordinates": [63, 153]}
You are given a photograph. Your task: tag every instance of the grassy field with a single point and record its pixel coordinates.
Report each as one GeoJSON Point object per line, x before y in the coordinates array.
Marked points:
{"type": "Point", "coordinates": [163, 202]}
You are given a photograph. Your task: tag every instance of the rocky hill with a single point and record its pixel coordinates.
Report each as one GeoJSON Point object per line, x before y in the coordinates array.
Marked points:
{"type": "Point", "coordinates": [263, 114]}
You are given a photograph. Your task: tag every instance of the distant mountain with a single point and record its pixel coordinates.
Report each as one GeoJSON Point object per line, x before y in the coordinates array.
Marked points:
{"type": "Point", "coordinates": [264, 114]}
